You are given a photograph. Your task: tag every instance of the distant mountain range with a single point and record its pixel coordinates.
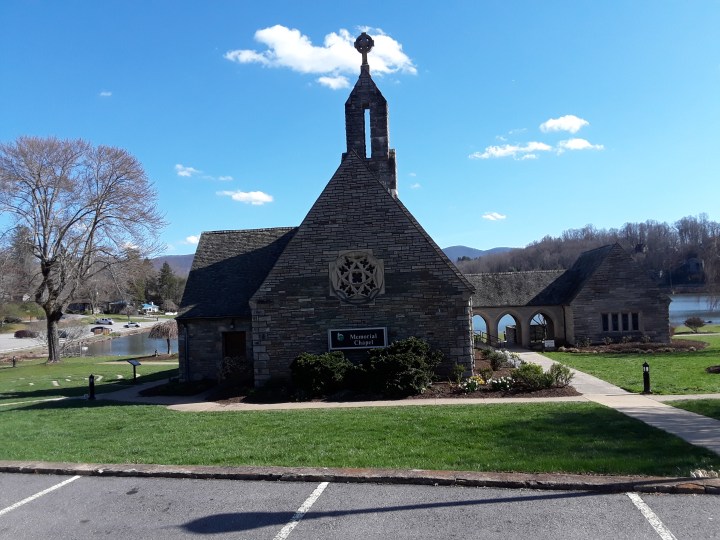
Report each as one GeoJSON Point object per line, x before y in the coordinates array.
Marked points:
{"type": "Point", "coordinates": [455, 252]}
{"type": "Point", "coordinates": [181, 264]}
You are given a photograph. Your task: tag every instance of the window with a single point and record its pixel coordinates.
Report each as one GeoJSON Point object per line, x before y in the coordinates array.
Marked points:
{"type": "Point", "coordinates": [356, 277]}
{"type": "Point", "coordinates": [620, 322]}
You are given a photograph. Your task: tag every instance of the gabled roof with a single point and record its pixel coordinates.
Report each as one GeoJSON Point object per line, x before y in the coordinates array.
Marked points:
{"type": "Point", "coordinates": [228, 268]}
{"type": "Point", "coordinates": [566, 287]}
{"type": "Point", "coordinates": [539, 288]}
{"type": "Point", "coordinates": [356, 202]}
{"type": "Point", "coordinates": [510, 288]}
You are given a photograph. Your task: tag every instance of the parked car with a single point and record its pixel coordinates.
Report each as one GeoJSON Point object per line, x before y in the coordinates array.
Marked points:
{"type": "Point", "coordinates": [132, 325]}
{"type": "Point", "coordinates": [103, 321]}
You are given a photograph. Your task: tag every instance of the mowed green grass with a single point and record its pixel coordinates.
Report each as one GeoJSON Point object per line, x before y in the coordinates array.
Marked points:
{"type": "Point", "coordinates": [36, 380]}
{"type": "Point", "coordinates": [670, 373]}
{"type": "Point", "coordinates": [536, 437]}
{"type": "Point", "coordinates": [542, 437]}
{"type": "Point", "coordinates": [706, 407]}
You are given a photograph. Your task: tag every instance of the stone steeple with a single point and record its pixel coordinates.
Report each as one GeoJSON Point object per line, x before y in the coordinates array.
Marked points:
{"type": "Point", "coordinates": [366, 96]}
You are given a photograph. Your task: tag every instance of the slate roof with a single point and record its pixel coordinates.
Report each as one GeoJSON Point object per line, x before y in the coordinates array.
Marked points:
{"type": "Point", "coordinates": [510, 288]}
{"type": "Point", "coordinates": [538, 288]}
{"type": "Point", "coordinates": [354, 184]}
{"type": "Point", "coordinates": [228, 268]}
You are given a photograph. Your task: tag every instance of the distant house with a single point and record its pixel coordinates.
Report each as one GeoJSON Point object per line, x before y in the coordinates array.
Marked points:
{"type": "Point", "coordinates": [150, 308]}
{"type": "Point", "coordinates": [604, 295]}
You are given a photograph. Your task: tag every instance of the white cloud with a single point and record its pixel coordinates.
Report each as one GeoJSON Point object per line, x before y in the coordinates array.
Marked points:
{"type": "Point", "coordinates": [105, 93]}
{"type": "Point", "coordinates": [511, 150]}
{"type": "Point", "coordinates": [412, 174]}
{"type": "Point", "coordinates": [569, 122]}
{"type": "Point", "coordinates": [494, 216]}
{"type": "Point", "coordinates": [578, 144]}
{"type": "Point", "coordinates": [256, 198]}
{"type": "Point", "coordinates": [225, 178]}
{"type": "Point", "coordinates": [334, 83]}
{"type": "Point", "coordinates": [289, 48]}
{"type": "Point", "coordinates": [416, 185]}
{"type": "Point", "coordinates": [182, 170]}
{"type": "Point", "coordinates": [192, 239]}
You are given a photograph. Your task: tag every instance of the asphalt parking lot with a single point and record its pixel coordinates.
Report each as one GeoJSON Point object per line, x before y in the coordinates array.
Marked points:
{"type": "Point", "coordinates": [64, 507]}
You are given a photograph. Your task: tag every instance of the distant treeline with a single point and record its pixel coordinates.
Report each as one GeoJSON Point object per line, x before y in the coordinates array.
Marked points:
{"type": "Point", "coordinates": [685, 253]}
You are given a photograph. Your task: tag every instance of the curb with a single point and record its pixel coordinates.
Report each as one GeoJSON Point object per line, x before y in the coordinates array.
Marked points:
{"type": "Point", "coordinates": [557, 482]}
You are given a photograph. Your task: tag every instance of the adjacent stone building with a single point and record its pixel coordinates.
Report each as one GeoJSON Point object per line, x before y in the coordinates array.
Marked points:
{"type": "Point", "coordinates": [359, 272]}
{"type": "Point", "coordinates": [605, 294]}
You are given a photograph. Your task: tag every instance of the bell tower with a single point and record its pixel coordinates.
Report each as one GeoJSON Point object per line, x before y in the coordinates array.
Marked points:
{"type": "Point", "coordinates": [366, 96]}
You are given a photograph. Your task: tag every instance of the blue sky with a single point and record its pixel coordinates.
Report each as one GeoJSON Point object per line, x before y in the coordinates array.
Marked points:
{"type": "Point", "coordinates": [511, 120]}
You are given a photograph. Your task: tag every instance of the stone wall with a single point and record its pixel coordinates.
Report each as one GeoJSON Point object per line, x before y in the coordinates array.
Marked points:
{"type": "Point", "coordinates": [424, 294]}
{"type": "Point", "coordinates": [201, 356]}
{"type": "Point", "coordinates": [619, 286]}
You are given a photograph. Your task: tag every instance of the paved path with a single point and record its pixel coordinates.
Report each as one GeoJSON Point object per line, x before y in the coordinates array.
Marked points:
{"type": "Point", "coordinates": [694, 428]}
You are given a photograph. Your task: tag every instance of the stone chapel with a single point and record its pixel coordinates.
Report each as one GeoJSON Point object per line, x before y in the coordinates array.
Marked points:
{"type": "Point", "coordinates": [359, 272]}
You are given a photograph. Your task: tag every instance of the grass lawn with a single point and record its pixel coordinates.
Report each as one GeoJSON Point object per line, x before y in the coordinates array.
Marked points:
{"type": "Point", "coordinates": [538, 437]}
{"type": "Point", "coordinates": [542, 437]}
{"type": "Point", "coordinates": [670, 373]}
{"type": "Point", "coordinates": [707, 329]}
{"type": "Point", "coordinates": [706, 407]}
{"type": "Point", "coordinates": [34, 379]}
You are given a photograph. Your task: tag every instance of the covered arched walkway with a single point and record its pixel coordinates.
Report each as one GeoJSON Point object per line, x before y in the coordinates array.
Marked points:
{"type": "Point", "coordinates": [533, 325]}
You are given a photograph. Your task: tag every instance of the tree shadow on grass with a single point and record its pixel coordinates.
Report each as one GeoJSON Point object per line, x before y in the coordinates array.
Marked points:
{"type": "Point", "coordinates": [79, 391]}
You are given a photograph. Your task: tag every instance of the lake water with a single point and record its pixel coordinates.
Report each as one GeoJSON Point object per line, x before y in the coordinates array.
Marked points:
{"type": "Point", "coordinates": [683, 306]}
{"type": "Point", "coordinates": [133, 344]}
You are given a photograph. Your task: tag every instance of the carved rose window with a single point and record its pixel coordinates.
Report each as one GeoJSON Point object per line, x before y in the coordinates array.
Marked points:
{"type": "Point", "coordinates": [356, 277]}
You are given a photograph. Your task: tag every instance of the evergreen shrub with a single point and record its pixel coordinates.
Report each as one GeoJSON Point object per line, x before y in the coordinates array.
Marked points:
{"type": "Point", "coordinates": [404, 368]}
{"type": "Point", "coordinates": [320, 374]}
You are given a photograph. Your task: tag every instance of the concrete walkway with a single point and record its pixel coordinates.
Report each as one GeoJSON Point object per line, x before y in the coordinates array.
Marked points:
{"type": "Point", "coordinates": [694, 428]}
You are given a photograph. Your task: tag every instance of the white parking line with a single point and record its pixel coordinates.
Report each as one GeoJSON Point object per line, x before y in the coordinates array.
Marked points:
{"type": "Point", "coordinates": [661, 529]}
{"type": "Point", "coordinates": [287, 529]}
{"type": "Point", "coordinates": [37, 495]}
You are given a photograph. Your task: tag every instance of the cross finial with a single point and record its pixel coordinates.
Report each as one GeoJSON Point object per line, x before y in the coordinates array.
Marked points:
{"type": "Point", "coordinates": [364, 45]}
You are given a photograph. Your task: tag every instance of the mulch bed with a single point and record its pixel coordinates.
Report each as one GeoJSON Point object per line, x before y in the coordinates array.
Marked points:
{"type": "Point", "coordinates": [438, 390]}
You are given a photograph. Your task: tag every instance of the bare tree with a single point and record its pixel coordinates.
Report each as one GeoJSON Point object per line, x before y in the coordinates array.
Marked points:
{"type": "Point", "coordinates": [83, 206]}
{"type": "Point", "coordinates": [165, 330]}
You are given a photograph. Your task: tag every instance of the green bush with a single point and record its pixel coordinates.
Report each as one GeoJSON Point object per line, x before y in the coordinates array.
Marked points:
{"type": "Point", "coordinates": [560, 375]}
{"type": "Point", "coordinates": [320, 374]}
{"type": "Point", "coordinates": [404, 368]}
{"type": "Point", "coordinates": [530, 377]}
{"type": "Point", "coordinates": [694, 323]}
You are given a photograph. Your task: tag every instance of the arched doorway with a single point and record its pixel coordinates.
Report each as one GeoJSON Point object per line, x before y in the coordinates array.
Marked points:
{"type": "Point", "coordinates": [480, 330]}
{"type": "Point", "coordinates": [542, 329]}
{"type": "Point", "coordinates": [509, 330]}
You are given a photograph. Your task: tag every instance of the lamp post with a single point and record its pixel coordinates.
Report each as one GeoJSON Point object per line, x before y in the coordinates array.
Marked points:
{"type": "Point", "coordinates": [646, 378]}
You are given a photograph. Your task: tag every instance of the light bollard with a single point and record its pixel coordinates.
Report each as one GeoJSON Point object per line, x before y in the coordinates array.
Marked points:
{"type": "Point", "coordinates": [646, 378]}
{"type": "Point", "coordinates": [91, 382]}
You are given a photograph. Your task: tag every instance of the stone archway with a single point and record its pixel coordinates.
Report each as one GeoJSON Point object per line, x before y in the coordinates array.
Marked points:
{"type": "Point", "coordinates": [480, 328]}
{"type": "Point", "coordinates": [510, 329]}
{"type": "Point", "coordinates": [542, 328]}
